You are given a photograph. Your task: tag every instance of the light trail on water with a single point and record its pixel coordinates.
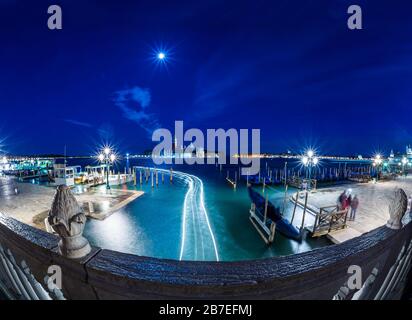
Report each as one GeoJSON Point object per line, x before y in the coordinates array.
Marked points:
{"type": "Point", "coordinates": [198, 241]}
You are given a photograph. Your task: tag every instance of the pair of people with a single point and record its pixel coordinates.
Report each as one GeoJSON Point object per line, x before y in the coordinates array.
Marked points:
{"type": "Point", "coordinates": [346, 201]}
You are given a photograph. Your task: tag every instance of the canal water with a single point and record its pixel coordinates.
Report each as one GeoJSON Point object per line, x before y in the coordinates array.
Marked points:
{"type": "Point", "coordinates": [211, 222]}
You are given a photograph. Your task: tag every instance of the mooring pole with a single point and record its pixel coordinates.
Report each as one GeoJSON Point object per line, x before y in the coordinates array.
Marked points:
{"type": "Point", "coordinates": [272, 232]}
{"type": "Point", "coordinates": [284, 200]}
{"type": "Point", "coordinates": [266, 210]}
{"type": "Point", "coordinates": [304, 212]}
{"type": "Point", "coordinates": [294, 209]}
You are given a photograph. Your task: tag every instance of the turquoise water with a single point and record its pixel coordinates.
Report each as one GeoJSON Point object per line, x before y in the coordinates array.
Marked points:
{"type": "Point", "coordinates": [211, 222]}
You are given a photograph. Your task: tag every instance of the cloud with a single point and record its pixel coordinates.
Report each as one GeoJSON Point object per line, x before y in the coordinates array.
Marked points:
{"type": "Point", "coordinates": [79, 123]}
{"type": "Point", "coordinates": [134, 103]}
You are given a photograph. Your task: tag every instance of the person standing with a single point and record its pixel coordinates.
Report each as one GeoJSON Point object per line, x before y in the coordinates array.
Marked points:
{"type": "Point", "coordinates": [354, 206]}
{"type": "Point", "coordinates": [342, 200]}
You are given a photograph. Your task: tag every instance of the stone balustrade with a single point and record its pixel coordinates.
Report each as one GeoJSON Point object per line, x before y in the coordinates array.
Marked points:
{"type": "Point", "coordinates": [28, 254]}
{"type": "Point", "coordinates": [106, 274]}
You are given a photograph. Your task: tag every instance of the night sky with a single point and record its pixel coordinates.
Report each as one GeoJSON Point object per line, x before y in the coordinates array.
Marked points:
{"type": "Point", "coordinates": [290, 68]}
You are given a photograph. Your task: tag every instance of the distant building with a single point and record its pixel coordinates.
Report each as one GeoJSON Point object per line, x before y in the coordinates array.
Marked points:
{"type": "Point", "coordinates": [409, 152]}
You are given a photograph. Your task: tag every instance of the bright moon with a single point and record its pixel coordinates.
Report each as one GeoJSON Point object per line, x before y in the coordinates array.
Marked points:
{"type": "Point", "coordinates": [161, 56]}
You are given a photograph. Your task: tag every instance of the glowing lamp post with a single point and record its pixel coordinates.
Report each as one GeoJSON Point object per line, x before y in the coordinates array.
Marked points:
{"type": "Point", "coordinates": [404, 163]}
{"type": "Point", "coordinates": [377, 162]}
{"type": "Point", "coordinates": [107, 157]}
{"type": "Point", "coordinates": [310, 160]}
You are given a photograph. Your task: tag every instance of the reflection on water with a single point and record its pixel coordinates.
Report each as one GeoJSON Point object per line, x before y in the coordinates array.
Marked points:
{"type": "Point", "coordinates": [121, 232]}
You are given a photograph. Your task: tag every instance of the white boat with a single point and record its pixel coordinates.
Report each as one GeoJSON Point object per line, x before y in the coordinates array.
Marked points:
{"type": "Point", "coordinates": [63, 175]}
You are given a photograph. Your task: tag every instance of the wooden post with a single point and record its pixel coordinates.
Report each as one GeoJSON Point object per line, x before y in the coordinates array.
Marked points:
{"type": "Point", "coordinates": [304, 212]}
{"type": "Point", "coordinates": [272, 232]}
{"type": "Point", "coordinates": [134, 177]}
{"type": "Point", "coordinates": [266, 210]}
{"type": "Point", "coordinates": [118, 178]}
{"type": "Point", "coordinates": [141, 177]}
{"type": "Point", "coordinates": [294, 209]}
{"type": "Point", "coordinates": [284, 200]}
{"type": "Point", "coordinates": [163, 177]}
{"type": "Point", "coordinates": [151, 178]}
{"type": "Point", "coordinates": [286, 178]}
{"type": "Point", "coordinates": [157, 178]}
{"type": "Point", "coordinates": [171, 175]}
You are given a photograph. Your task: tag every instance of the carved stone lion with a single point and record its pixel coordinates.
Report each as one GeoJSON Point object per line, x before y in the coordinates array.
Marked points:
{"type": "Point", "coordinates": [68, 220]}
{"type": "Point", "coordinates": [397, 208]}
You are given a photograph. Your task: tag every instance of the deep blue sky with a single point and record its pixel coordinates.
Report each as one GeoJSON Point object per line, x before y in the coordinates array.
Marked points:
{"type": "Point", "coordinates": [291, 68]}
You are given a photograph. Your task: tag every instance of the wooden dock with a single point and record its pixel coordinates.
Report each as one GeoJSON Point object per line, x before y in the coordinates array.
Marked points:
{"type": "Point", "coordinates": [373, 208]}
{"type": "Point", "coordinates": [327, 219]}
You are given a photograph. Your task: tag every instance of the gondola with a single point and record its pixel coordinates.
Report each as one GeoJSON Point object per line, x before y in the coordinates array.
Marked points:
{"type": "Point", "coordinates": [282, 225]}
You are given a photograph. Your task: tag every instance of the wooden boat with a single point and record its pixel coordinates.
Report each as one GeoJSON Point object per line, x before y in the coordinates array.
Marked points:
{"type": "Point", "coordinates": [273, 214]}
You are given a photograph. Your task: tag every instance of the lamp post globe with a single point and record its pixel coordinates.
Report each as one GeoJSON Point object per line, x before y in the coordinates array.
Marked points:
{"type": "Point", "coordinates": [309, 160]}
{"type": "Point", "coordinates": [107, 157]}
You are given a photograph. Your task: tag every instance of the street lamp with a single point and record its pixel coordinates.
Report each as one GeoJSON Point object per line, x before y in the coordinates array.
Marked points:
{"type": "Point", "coordinates": [107, 157]}
{"type": "Point", "coordinates": [310, 160]}
{"type": "Point", "coordinates": [404, 162]}
{"type": "Point", "coordinates": [377, 162]}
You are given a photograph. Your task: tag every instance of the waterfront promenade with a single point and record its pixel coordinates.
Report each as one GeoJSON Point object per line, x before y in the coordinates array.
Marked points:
{"type": "Point", "coordinates": [373, 210]}
{"type": "Point", "coordinates": [32, 202]}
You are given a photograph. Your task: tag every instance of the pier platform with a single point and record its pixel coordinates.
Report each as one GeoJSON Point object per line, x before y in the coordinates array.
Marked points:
{"type": "Point", "coordinates": [33, 202]}
{"type": "Point", "coordinates": [372, 212]}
